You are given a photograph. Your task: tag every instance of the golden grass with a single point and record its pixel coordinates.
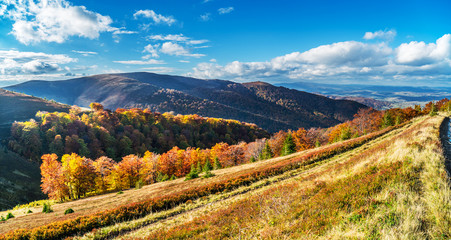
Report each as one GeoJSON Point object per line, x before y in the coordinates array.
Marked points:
{"type": "Point", "coordinates": [397, 188]}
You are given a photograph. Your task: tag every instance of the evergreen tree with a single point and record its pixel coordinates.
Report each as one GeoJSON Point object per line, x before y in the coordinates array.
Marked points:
{"type": "Point", "coordinates": [199, 167]}
{"type": "Point", "coordinates": [217, 163]}
{"type": "Point", "coordinates": [192, 174]}
{"type": "Point", "coordinates": [207, 166]}
{"type": "Point", "coordinates": [207, 169]}
{"type": "Point", "coordinates": [387, 120]}
{"type": "Point", "coordinates": [289, 146]}
{"type": "Point", "coordinates": [266, 152]}
{"type": "Point", "coordinates": [433, 111]}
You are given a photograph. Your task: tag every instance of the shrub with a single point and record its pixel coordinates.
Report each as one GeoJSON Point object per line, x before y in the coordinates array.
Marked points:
{"type": "Point", "coordinates": [9, 215]}
{"type": "Point", "coordinates": [46, 208]}
{"type": "Point", "coordinates": [139, 184]}
{"type": "Point", "coordinates": [120, 192]}
{"type": "Point", "coordinates": [192, 174]}
{"type": "Point", "coordinates": [29, 211]}
{"type": "Point", "coordinates": [217, 163]}
{"type": "Point", "coordinates": [68, 211]}
{"type": "Point", "coordinates": [3, 219]}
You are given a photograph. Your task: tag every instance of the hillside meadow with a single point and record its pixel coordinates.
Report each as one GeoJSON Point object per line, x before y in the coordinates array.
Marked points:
{"type": "Point", "coordinates": [366, 187]}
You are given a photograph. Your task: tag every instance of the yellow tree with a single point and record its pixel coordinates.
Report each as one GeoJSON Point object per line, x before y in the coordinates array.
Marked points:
{"type": "Point", "coordinates": [52, 178]}
{"type": "Point", "coordinates": [103, 167]}
{"type": "Point", "coordinates": [79, 174]}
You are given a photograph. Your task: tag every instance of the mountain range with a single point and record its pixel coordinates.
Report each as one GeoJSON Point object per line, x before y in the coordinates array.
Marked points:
{"type": "Point", "coordinates": [270, 107]}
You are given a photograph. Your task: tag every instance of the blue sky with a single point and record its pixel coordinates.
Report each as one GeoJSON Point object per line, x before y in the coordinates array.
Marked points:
{"type": "Point", "coordinates": [369, 42]}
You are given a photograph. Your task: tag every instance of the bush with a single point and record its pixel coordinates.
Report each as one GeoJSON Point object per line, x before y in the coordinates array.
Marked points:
{"type": "Point", "coordinates": [120, 192]}
{"type": "Point", "coordinates": [139, 184]}
{"type": "Point", "coordinates": [29, 211]}
{"type": "Point", "coordinates": [208, 175]}
{"type": "Point", "coordinates": [192, 174]}
{"type": "Point", "coordinates": [46, 208]}
{"type": "Point", "coordinates": [68, 211]}
{"type": "Point", "coordinates": [9, 215]}
{"type": "Point", "coordinates": [2, 219]}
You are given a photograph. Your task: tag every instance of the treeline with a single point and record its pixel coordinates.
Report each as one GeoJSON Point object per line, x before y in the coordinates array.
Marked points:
{"type": "Point", "coordinates": [76, 176]}
{"type": "Point", "coordinates": [101, 132]}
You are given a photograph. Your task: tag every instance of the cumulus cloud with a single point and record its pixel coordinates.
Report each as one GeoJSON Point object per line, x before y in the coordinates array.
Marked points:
{"type": "Point", "coordinates": [387, 35]}
{"type": "Point", "coordinates": [152, 50]}
{"type": "Point", "coordinates": [156, 18]}
{"type": "Point", "coordinates": [13, 62]}
{"type": "Point", "coordinates": [53, 21]}
{"type": "Point", "coordinates": [225, 10]}
{"type": "Point", "coordinates": [175, 49]}
{"type": "Point", "coordinates": [350, 61]}
{"type": "Point", "coordinates": [174, 45]}
{"type": "Point", "coordinates": [420, 53]}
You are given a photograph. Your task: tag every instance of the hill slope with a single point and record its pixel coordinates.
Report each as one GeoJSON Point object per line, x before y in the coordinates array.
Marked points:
{"type": "Point", "coordinates": [390, 184]}
{"type": "Point", "coordinates": [19, 178]}
{"type": "Point", "coordinates": [270, 107]}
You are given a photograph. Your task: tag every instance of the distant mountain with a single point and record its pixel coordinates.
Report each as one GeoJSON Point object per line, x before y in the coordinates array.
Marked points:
{"type": "Point", "coordinates": [396, 96]}
{"type": "Point", "coordinates": [270, 107]}
{"type": "Point", "coordinates": [19, 178]}
{"type": "Point", "coordinates": [370, 102]}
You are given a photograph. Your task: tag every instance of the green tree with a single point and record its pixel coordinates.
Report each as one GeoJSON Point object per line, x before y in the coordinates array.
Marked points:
{"type": "Point", "coordinates": [192, 174]}
{"type": "Point", "coordinates": [217, 163]}
{"type": "Point", "coordinates": [433, 111]}
{"type": "Point", "coordinates": [289, 146]}
{"type": "Point", "coordinates": [387, 120]}
{"type": "Point", "coordinates": [207, 166]}
{"type": "Point", "coordinates": [266, 152]}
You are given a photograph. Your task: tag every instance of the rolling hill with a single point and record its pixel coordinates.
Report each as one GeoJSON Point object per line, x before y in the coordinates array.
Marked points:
{"type": "Point", "coordinates": [389, 184]}
{"type": "Point", "coordinates": [19, 178]}
{"type": "Point", "coordinates": [270, 107]}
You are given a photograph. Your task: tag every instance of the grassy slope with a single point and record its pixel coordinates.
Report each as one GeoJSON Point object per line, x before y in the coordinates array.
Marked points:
{"type": "Point", "coordinates": [19, 178]}
{"type": "Point", "coordinates": [391, 187]}
{"type": "Point", "coordinates": [395, 189]}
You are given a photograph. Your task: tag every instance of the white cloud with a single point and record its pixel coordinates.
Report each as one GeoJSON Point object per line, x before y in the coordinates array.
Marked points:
{"type": "Point", "coordinates": [184, 61]}
{"type": "Point", "coordinates": [152, 50]}
{"type": "Point", "coordinates": [175, 49]}
{"type": "Point", "coordinates": [141, 62]}
{"type": "Point", "coordinates": [205, 17]}
{"type": "Point", "coordinates": [160, 69]}
{"type": "Point", "coordinates": [157, 18]}
{"type": "Point", "coordinates": [54, 21]}
{"type": "Point", "coordinates": [420, 53]}
{"type": "Point", "coordinates": [225, 10]}
{"type": "Point", "coordinates": [343, 61]}
{"type": "Point", "coordinates": [387, 35]}
{"type": "Point", "coordinates": [85, 53]}
{"type": "Point", "coordinates": [13, 62]}
{"type": "Point", "coordinates": [176, 38]}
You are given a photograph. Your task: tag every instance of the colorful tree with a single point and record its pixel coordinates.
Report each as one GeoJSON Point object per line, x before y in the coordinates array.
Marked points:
{"type": "Point", "coordinates": [52, 178]}
{"type": "Point", "coordinates": [79, 174]}
{"type": "Point", "coordinates": [103, 167]}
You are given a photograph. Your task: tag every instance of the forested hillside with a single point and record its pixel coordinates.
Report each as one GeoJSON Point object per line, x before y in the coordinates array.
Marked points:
{"type": "Point", "coordinates": [19, 178]}
{"type": "Point", "coordinates": [122, 132]}
{"type": "Point", "coordinates": [270, 107]}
